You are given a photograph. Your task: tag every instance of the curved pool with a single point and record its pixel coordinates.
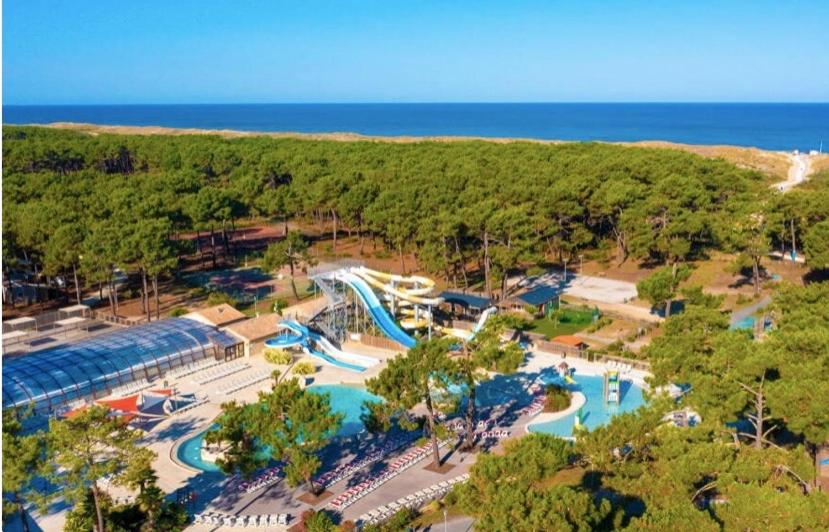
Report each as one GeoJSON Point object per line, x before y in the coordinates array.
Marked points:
{"type": "Point", "coordinates": [347, 400]}
{"type": "Point", "coordinates": [595, 412]}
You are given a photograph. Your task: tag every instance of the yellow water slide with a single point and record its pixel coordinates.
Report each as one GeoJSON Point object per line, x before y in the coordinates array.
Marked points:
{"type": "Point", "coordinates": [410, 288]}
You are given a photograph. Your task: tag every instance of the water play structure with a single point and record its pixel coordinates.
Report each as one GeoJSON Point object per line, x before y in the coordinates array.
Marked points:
{"type": "Point", "coordinates": [361, 300]}
{"type": "Point", "coordinates": [316, 345]}
{"type": "Point", "coordinates": [612, 382]}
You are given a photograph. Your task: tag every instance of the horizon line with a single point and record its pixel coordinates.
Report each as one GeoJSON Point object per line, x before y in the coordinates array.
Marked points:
{"type": "Point", "coordinates": [481, 102]}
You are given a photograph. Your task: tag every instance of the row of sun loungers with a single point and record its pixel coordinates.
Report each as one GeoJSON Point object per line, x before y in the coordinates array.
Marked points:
{"type": "Point", "coordinates": [345, 470]}
{"type": "Point", "coordinates": [242, 521]}
{"type": "Point", "coordinates": [415, 500]}
{"type": "Point", "coordinates": [533, 408]}
{"type": "Point", "coordinates": [619, 366]}
{"type": "Point", "coordinates": [195, 367]}
{"type": "Point", "coordinates": [495, 434]}
{"type": "Point", "coordinates": [459, 425]}
{"type": "Point", "coordinates": [221, 372]}
{"type": "Point", "coordinates": [240, 384]}
{"type": "Point", "coordinates": [399, 465]}
{"type": "Point", "coordinates": [267, 477]}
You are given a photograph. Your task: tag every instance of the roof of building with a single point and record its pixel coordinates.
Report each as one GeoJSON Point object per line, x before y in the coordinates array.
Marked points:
{"type": "Point", "coordinates": [466, 300]}
{"type": "Point", "coordinates": [570, 340]}
{"type": "Point", "coordinates": [539, 295]}
{"type": "Point", "coordinates": [53, 377]}
{"type": "Point", "coordinates": [253, 329]}
{"type": "Point", "coordinates": [218, 316]}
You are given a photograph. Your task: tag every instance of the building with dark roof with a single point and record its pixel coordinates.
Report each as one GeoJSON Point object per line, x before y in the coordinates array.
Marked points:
{"type": "Point", "coordinates": [542, 299]}
{"type": "Point", "coordinates": [471, 305]}
{"type": "Point", "coordinates": [54, 377]}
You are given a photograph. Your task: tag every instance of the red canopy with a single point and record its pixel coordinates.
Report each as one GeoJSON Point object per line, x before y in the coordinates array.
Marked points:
{"type": "Point", "coordinates": [124, 404]}
{"type": "Point", "coordinates": [165, 391]}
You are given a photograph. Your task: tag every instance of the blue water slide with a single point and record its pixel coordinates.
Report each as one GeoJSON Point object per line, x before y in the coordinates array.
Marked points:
{"type": "Point", "coordinates": [301, 337]}
{"type": "Point", "coordinates": [384, 321]}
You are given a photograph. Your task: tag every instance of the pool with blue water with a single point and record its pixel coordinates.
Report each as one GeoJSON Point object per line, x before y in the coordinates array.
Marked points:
{"type": "Point", "coordinates": [595, 412]}
{"type": "Point", "coordinates": [347, 400]}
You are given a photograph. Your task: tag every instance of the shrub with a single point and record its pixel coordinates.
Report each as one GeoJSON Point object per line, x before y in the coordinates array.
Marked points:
{"type": "Point", "coordinates": [312, 521]}
{"type": "Point", "coordinates": [558, 398]}
{"type": "Point", "coordinates": [604, 321]}
{"type": "Point", "coordinates": [277, 356]}
{"type": "Point", "coordinates": [280, 304]}
{"type": "Point", "coordinates": [304, 367]}
{"type": "Point", "coordinates": [536, 270]}
{"type": "Point", "coordinates": [217, 297]}
{"type": "Point", "coordinates": [198, 292]}
{"type": "Point", "coordinates": [401, 520]}
{"type": "Point", "coordinates": [178, 311]}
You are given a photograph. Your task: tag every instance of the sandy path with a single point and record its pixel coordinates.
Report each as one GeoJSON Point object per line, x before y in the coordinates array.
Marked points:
{"type": "Point", "coordinates": [798, 171]}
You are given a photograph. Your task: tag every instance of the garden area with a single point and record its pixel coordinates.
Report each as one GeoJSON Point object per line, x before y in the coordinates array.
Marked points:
{"type": "Point", "coordinates": [562, 321]}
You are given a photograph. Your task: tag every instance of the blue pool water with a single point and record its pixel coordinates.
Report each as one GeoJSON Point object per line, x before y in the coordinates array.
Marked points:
{"type": "Point", "coordinates": [346, 399]}
{"type": "Point", "coordinates": [595, 411]}
{"type": "Point", "coordinates": [189, 453]}
{"type": "Point", "coordinates": [745, 323]}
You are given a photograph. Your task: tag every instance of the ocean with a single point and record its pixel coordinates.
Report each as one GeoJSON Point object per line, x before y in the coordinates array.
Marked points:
{"type": "Point", "coordinates": [767, 126]}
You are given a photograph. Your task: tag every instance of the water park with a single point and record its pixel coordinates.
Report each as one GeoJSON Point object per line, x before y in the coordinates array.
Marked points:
{"type": "Point", "coordinates": [360, 320]}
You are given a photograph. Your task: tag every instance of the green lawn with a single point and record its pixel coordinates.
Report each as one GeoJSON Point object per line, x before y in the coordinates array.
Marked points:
{"type": "Point", "coordinates": [569, 321]}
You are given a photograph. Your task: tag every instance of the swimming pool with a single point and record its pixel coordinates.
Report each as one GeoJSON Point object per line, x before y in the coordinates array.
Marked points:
{"type": "Point", "coordinates": [595, 412]}
{"type": "Point", "coordinates": [345, 399]}
{"type": "Point", "coordinates": [348, 400]}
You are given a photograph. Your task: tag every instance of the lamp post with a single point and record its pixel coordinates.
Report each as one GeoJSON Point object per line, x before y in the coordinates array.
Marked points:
{"type": "Point", "coordinates": [445, 514]}
{"type": "Point", "coordinates": [565, 270]}
{"type": "Point", "coordinates": [581, 264]}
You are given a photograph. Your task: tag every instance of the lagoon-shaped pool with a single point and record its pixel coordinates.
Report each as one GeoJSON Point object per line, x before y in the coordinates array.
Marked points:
{"type": "Point", "coordinates": [345, 399]}
{"type": "Point", "coordinates": [595, 412]}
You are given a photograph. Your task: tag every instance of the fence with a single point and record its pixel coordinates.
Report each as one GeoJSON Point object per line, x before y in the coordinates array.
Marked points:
{"type": "Point", "coordinates": [381, 343]}
{"type": "Point", "coordinates": [542, 344]}
{"type": "Point", "coordinates": [117, 320]}
{"type": "Point", "coordinates": [546, 346]}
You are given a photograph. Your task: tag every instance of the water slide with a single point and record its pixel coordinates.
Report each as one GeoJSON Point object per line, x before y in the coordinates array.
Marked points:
{"type": "Point", "coordinates": [412, 288]}
{"type": "Point", "coordinates": [375, 307]}
{"type": "Point", "coordinates": [302, 336]}
{"type": "Point", "coordinates": [463, 334]}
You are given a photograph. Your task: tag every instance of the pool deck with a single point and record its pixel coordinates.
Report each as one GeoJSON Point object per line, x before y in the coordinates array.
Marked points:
{"type": "Point", "coordinates": [279, 498]}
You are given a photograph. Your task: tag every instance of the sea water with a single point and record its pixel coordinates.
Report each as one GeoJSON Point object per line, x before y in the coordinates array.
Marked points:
{"type": "Point", "coordinates": [772, 126]}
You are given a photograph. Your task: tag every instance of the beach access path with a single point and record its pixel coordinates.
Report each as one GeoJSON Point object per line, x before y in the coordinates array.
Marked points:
{"type": "Point", "coordinates": [798, 171]}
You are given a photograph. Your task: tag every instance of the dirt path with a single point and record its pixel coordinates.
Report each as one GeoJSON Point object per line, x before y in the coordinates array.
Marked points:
{"type": "Point", "coordinates": [798, 171]}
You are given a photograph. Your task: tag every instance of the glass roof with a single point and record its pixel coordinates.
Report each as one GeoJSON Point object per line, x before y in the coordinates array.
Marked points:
{"type": "Point", "coordinates": [53, 377]}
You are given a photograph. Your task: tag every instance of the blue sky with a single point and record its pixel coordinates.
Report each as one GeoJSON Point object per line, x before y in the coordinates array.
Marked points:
{"type": "Point", "coordinates": [80, 52]}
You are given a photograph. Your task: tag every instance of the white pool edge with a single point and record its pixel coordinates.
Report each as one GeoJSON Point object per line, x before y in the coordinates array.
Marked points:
{"type": "Point", "coordinates": [578, 400]}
